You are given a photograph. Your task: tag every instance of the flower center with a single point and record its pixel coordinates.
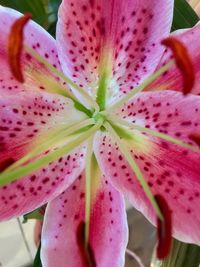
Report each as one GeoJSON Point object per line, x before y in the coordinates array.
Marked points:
{"type": "Point", "coordinates": [99, 117]}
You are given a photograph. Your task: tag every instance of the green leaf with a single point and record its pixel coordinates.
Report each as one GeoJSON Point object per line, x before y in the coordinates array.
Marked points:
{"type": "Point", "coordinates": [37, 260]}
{"type": "Point", "coordinates": [184, 15]}
{"type": "Point", "coordinates": [36, 214]}
{"type": "Point", "coordinates": [53, 9]}
{"type": "Point", "coordinates": [181, 255]}
{"type": "Point", "coordinates": [35, 7]}
{"type": "Point", "coordinates": [55, 4]}
{"type": "Point", "coordinates": [52, 28]}
{"type": "Point", "coordinates": [192, 256]}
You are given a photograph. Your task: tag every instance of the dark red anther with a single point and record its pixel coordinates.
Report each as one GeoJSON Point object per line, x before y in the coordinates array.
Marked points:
{"type": "Point", "coordinates": [195, 138]}
{"type": "Point", "coordinates": [164, 231]}
{"type": "Point", "coordinates": [183, 62]}
{"type": "Point", "coordinates": [42, 210]}
{"type": "Point", "coordinates": [87, 254]}
{"type": "Point", "coordinates": [6, 163]}
{"type": "Point", "coordinates": [15, 46]}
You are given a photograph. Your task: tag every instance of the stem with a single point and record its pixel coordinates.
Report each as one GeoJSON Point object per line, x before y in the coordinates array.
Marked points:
{"type": "Point", "coordinates": [88, 189]}
{"type": "Point", "coordinates": [163, 136]}
{"type": "Point", "coordinates": [135, 168]}
{"type": "Point", "coordinates": [45, 145]}
{"type": "Point", "coordinates": [135, 257]}
{"type": "Point", "coordinates": [60, 74]}
{"type": "Point", "coordinates": [141, 87]}
{"type": "Point", "coordinates": [13, 175]}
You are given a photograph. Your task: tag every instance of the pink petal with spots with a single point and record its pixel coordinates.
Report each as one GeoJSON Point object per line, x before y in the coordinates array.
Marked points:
{"type": "Point", "coordinates": [108, 228]}
{"type": "Point", "coordinates": [25, 120]}
{"type": "Point", "coordinates": [172, 79]}
{"type": "Point", "coordinates": [167, 112]}
{"type": "Point", "coordinates": [170, 171]}
{"type": "Point", "coordinates": [34, 72]}
{"type": "Point", "coordinates": [129, 30]}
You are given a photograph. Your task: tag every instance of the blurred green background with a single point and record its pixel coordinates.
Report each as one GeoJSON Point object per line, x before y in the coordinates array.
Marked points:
{"type": "Point", "coordinates": [44, 12]}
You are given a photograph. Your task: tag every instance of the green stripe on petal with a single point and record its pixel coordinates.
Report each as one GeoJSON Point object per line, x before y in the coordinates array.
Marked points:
{"type": "Point", "coordinates": [93, 183]}
{"type": "Point", "coordinates": [88, 177]}
{"type": "Point", "coordinates": [13, 175]}
{"type": "Point", "coordinates": [163, 136]}
{"type": "Point", "coordinates": [49, 141]}
{"type": "Point", "coordinates": [61, 75]}
{"type": "Point", "coordinates": [141, 87]}
{"type": "Point", "coordinates": [104, 79]}
{"type": "Point", "coordinates": [135, 168]}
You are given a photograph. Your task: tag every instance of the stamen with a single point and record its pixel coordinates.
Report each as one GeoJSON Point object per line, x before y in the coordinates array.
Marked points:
{"type": "Point", "coordinates": [51, 140]}
{"type": "Point", "coordinates": [80, 90]}
{"type": "Point", "coordinates": [195, 138]}
{"type": "Point", "coordinates": [163, 136]}
{"type": "Point", "coordinates": [183, 62]}
{"type": "Point", "coordinates": [135, 257]}
{"type": "Point", "coordinates": [88, 188]}
{"type": "Point", "coordinates": [139, 88]}
{"type": "Point", "coordinates": [15, 46]}
{"type": "Point", "coordinates": [135, 168]}
{"type": "Point", "coordinates": [164, 231]}
{"type": "Point", "coordinates": [13, 175]}
{"type": "Point", "coordinates": [87, 253]}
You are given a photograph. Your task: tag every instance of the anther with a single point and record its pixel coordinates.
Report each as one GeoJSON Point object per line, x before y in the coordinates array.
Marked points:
{"type": "Point", "coordinates": [164, 231]}
{"type": "Point", "coordinates": [6, 163]}
{"type": "Point", "coordinates": [195, 138]}
{"type": "Point", "coordinates": [15, 46]}
{"type": "Point", "coordinates": [87, 254]}
{"type": "Point", "coordinates": [183, 62]}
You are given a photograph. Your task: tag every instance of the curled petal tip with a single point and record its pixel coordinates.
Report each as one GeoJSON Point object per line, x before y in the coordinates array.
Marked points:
{"type": "Point", "coordinates": [183, 62]}
{"type": "Point", "coordinates": [164, 232]}
{"type": "Point", "coordinates": [86, 252]}
{"type": "Point", "coordinates": [15, 46]}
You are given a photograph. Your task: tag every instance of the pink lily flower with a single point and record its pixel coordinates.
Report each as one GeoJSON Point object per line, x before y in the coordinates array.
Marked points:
{"type": "Point", "coordinates": [81, 148]}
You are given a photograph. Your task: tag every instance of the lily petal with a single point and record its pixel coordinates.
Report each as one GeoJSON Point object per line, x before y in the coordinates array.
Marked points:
{"type": "Point", "coordinates": [123, 36]}
{"type": "Point", "coordinates": [167, 112]}
{"type": "Point", "coordinates": [108, 227]}
{"type": "Point", "coordinates": [34, 72]}
{"type": "Point", "coordinates": [172, 79]}
{"type": "Point", "coordinates": [170, 170]}
{"type": "Point", "coordinates": [27, 120]}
